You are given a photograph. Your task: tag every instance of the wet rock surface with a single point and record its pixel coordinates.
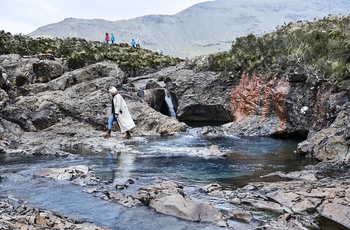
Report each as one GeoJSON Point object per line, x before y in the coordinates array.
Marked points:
{"type": "Point", "coordinates": [301, 201]}
{"type": "Point", "coordinates": [15, 214]}
{"type": "Point", "coordinates": [298, 203]}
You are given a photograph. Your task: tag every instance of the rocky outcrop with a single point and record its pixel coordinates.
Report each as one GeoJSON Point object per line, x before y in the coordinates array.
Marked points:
{"type": "Point", "coordinates": [21, 71]}
{"type": "Point", "coordinates": [15, 214]}
{"type": "Point", "coordinates": [198, 96]}
{"type": "Point", "coordinates": [45, 110]}
{"type": "Point", "coordinates": [47, 70]}
{"type": "Point", "coordinates": [285, 103]}
{"type": "Point", "coordinates": [299, 202]}
{"type": "Point", "coordinates": [332, 142]}
{"type": "Point", "coordinates": [37, 94]}
{"type": "Point", "coordinates": [292, 104]}
{"type": "Point", "coordinates": [282, 104]}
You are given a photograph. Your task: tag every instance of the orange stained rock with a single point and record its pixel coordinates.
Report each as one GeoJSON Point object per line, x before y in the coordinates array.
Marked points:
{"type": "Point", "coordinates": [262, 96]}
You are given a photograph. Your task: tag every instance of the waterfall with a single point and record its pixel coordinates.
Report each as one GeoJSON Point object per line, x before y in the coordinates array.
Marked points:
{"type": "Point", "coordinates": [169, 103]}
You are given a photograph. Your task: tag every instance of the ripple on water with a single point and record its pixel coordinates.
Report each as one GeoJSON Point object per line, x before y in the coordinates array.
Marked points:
{"type": "Point", "coordinates": [150, 161]}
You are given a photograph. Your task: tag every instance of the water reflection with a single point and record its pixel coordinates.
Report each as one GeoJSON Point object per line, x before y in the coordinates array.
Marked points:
{"type": "Point", "coordinates": [173, 158]}
{"type": "Point", "coordinates": [122, 164]}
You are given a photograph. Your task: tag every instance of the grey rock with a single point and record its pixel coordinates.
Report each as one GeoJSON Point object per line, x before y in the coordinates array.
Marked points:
{"type": "Point", "coordinates": [336, 212]}
{"type": "Point", "coordinates": [16, 215]}
{"type": "Point", "coordinates": [241, 215]}
{"type": "Point", "coordinates": [47, 70]}
{"type": "Point", "coordinates": [78, 175]}
{"type": "Point", "coordinates": [168, 198]}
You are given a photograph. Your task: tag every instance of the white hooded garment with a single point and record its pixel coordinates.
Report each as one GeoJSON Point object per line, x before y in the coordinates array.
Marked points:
{"type": "Point", "coordinates": [124, 118]}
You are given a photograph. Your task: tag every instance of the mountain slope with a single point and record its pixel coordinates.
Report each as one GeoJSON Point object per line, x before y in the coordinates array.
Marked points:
{"type": "Point", "coordinates": [201, 29]}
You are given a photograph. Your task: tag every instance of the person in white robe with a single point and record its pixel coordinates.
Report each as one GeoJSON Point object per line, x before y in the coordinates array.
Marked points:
{"type": "Point", "coordinates": [121, 114]}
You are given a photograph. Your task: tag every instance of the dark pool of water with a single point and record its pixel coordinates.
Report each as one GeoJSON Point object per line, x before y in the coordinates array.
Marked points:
{"type": "Point", "coordinates": [150, 161]}
{"type": "Point", "coordinates": [177, 158]}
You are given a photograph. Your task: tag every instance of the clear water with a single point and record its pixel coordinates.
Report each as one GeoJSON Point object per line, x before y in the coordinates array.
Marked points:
{"type": "Point", "coordinates": [148, 160]}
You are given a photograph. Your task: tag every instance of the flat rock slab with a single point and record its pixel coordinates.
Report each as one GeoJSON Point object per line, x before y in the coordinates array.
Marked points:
{"type": "Point", "coordinates": [336, 212]}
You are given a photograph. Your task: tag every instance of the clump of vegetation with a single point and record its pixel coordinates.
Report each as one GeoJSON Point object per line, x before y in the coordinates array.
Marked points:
{"type": "Point", "coordinates": [321, 48]}
{"type": "Point", "coordinates": [79, 52]}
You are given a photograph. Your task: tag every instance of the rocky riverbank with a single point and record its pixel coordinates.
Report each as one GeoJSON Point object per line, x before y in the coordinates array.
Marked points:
{"type": "Point", "coordinates": [315, 198]}
{"type": "Point", "coordinates": [16, 214]}
{"type": "Point", "coordinates": [68, 110]}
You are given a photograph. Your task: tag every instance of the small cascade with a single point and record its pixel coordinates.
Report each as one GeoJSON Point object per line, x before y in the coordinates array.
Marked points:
{"type": "Point", "coordinates": [170, 104]}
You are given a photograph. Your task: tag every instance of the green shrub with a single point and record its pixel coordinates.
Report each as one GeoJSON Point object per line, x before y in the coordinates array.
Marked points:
{"type": "Point", "coordinates": [321, 48]}
{"type": "Point", "coordinates": [80, 52]}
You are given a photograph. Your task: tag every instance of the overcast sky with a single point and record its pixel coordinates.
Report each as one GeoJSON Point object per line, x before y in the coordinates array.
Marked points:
{"type": "Point", "coordinates": [25, 16]}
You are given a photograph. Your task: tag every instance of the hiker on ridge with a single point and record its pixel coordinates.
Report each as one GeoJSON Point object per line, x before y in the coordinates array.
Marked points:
{"type": "Point", "coordinates": [107, 38]}
{"type": "Point", "coordinates": [112, 39]}
{"type": "Point", "coordinates": [133, 43]}
{"type": "Point", "coordinates": [120, 113]}
{"type": "Point", "coordinates": [138, 42]}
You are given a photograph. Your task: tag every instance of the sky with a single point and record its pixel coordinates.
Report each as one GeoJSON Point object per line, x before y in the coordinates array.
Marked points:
{"type": "Point", "coordinates": [25, 16]}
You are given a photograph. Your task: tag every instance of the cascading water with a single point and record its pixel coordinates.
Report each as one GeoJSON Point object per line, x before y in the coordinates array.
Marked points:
{"type": "Point", "coordinates": [169, 102]}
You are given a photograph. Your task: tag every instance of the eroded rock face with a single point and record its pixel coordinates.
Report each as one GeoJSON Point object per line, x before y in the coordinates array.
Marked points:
{"type": "Point", "coordinates": [197, 96]}
{"type": "Point", "coordinates": [292, 104]}
{"type": "Point", "coordinates": [23, 71]}
{"type": "Point", "coordinates": [155, 98]}
{"type": "Point", "coordinates": [332, 142]}
{"type": "Point", "coordinates": [258, 105]}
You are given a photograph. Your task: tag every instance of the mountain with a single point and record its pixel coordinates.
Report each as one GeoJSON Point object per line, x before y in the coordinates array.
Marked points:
{"type": "Point", "coordinates": [204, 28]}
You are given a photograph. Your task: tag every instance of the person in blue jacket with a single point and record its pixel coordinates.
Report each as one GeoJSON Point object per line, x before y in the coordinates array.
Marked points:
{"type": "Point", "coordinates": [112, 39]}
{"type": "Point", "coordinates": [133, 43]}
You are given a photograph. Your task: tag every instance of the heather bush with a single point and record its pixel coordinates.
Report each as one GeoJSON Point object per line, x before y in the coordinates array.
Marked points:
{"type": "Point", "coordinates": [321, 48]}
{"type": "Point", "coordinates": [79, 52]}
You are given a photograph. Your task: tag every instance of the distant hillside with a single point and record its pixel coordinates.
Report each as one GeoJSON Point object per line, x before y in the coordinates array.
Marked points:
{"type": "Point", "coordinates": [201, 29]}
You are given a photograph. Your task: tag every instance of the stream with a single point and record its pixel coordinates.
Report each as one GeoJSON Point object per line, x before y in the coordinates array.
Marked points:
{"type": "Point", "coordinates": [149, 160]}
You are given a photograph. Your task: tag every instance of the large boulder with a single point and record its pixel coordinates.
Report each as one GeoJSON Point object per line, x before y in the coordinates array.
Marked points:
{"type": "Point", "coordinates": [79, 174]}
{"type": "Point", "coordinates": [168, 198]}
{"type": "Point", "coordinates": [332, 142]}
{"type": "Point", "coordinates": [197, 96]}
{"type": "Point", "coordinates": [47, 70]}
{"type": "Point", "coordinates": [28, 70]}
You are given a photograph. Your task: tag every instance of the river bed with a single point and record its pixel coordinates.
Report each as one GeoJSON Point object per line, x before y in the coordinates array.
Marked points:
{"type": "Point", "coordinates": [149, 160]}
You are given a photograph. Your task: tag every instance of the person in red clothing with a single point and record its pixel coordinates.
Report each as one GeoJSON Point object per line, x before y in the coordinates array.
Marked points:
{"type": "Point", "coordinates": [107, 38]}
